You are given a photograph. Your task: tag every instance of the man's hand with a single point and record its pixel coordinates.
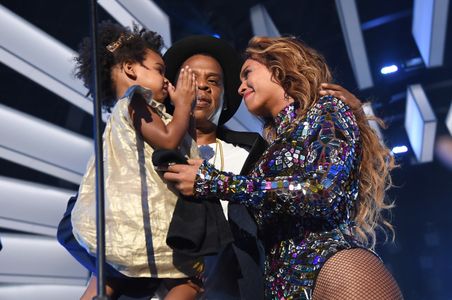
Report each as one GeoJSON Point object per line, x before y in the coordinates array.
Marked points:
{"type": "Point", "coordinates": [340, 93]}
{"type": "Point", "coordinates": [183, 176]}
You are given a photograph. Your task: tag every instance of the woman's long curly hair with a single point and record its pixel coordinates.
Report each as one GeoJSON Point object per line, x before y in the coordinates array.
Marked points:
{"type": "Point", "coordinates": [133, 48]}
{"type": "Point", "coordinates": [300, 70]}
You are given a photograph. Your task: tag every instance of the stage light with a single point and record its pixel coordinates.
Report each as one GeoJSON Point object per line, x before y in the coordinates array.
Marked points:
{"type": "Point", "coordinates": [449, 119]}
{"type": "Point", "coordinates": [216, 35]}
{"type": "Point", "coordinates": [354, 42]}
{"type": "Point", "coordinates": [262, 23]}
{"type": "Point", "coordinates": [420, 123]}
{"type": "Point", "coordinates": [243, 120]}
{"type": "Point", "coordinates": [399, 149]}
{"type": "Point", "coordinates": [143, 12]}
{"type": "Point", "coordinates": [29, 291]}
{"type": "Point", "coordinates": [429, 30]}
{"type": "Point", "coordinates": [25, 140]}
{"type": "Point", "coordinates": [367, 108]}
{"type": "Point", "coordinates": [414, 62]}
{"type": "Point", "coordinates": [44, 206]}
{"type": "Point", "coordinates": [40, 57]}
{"type": "Point", "coordinates": [389, 69]}
{"type": "Point", "coordinates": [35, 259]}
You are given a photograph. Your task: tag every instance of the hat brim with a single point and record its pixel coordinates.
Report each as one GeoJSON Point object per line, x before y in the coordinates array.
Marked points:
{"type": "Point", "coordinates": [220, 50]}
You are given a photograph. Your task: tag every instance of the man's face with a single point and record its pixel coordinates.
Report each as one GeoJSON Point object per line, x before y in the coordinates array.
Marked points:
{"type": "Point", "coordinates": [209, 77]}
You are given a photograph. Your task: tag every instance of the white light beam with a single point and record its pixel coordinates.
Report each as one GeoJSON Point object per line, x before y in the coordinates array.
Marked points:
{"type": "Point", "coordinates": [40, 145]}
{"type": "Point", "coordinates": [354, 41]}
{"type": "Point", "coordinates": [38, 56]}
{"type": "Point", "coordinates": [429, 30]}
{"type": "Point", "coordinates": [143, 12]}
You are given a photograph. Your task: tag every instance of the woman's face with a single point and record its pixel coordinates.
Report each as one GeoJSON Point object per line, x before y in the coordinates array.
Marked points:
{"type": "Point", "coordinates": [262, 95]}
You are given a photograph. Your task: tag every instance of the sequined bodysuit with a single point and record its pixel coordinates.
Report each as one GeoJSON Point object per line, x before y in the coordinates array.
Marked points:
{"type": "Point", "coordinates": [302, 193]}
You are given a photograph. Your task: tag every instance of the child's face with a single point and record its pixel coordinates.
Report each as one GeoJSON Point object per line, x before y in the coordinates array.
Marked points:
{"type": "Point", "coordinates": [150, 73]}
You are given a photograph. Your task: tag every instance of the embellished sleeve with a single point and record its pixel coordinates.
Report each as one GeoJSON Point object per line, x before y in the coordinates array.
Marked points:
{"type": "Point", "coordinates": [321, 181]}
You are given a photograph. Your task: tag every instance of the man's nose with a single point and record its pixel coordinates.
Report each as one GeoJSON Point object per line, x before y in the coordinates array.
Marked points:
{"type": "Point", "coordinates": [202, 85]}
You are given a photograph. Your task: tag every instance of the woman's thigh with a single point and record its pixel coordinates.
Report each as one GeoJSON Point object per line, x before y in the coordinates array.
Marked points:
{"type": "Point", "coordinates": [356, 274]}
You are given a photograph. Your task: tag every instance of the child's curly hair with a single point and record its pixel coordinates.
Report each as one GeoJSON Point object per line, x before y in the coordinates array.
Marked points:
{"type": "Point", "coordinates": [133, 48]}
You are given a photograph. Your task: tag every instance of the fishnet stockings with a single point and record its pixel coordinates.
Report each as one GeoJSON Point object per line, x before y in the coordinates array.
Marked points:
{"type": "Point", "coordinates": [355, 274]}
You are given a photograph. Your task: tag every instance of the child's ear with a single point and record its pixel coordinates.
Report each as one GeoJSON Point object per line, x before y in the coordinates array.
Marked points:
{"type": "Point", "coordinates": [129, 69]}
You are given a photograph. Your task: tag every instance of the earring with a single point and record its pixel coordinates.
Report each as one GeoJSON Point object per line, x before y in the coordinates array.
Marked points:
{"type": "Point", "coordinates": [286, 96]}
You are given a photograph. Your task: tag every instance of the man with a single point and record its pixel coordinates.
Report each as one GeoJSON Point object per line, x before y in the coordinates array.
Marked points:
{"type": "Point", "coordinates": [235, 273]}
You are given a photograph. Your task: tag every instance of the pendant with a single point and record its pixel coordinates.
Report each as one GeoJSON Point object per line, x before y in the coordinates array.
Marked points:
{"type": "Point", "coordinates": [206, 152]}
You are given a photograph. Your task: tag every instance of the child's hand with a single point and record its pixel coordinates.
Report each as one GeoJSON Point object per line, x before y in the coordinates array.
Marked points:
{"type": "Point", "coordinates": [184, 93]}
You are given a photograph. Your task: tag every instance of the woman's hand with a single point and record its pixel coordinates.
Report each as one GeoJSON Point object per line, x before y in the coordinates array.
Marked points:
{"type": "Point", "coordinates": [183, 176]}
{"type": "Point", "coordinates": [340, 93]}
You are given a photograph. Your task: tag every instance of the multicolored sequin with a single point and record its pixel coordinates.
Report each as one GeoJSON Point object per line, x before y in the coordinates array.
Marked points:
{"type": "Point", "coordinates": [302, 194]}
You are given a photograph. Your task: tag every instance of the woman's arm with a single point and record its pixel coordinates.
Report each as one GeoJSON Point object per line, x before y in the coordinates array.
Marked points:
{"type": "Point", "coordinates": [319, 181]}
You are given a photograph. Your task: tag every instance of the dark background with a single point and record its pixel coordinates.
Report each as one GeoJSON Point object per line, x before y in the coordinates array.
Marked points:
{"type": "Point", "coordinates": [420, 258]}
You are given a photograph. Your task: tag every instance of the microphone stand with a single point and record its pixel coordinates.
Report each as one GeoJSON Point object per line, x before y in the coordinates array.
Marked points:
{"type": "Point", "coordinates": [100, 192]}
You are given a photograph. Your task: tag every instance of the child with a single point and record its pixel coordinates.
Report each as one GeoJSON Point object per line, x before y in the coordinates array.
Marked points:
{"type": "Point", "coordinates": [138, 204]}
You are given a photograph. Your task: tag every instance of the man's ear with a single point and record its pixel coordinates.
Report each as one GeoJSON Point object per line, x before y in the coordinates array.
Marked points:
{"type": "Point", "coordinates": [129, 69]}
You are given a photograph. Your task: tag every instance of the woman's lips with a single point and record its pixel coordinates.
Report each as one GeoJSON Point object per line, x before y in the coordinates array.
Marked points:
{"type": "Point", "coordinates": [245, 95]}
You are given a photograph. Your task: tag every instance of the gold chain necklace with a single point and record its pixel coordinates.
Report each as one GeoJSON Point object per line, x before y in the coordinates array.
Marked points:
{"type": "Point", "coordinates": [219, 146]}
{"type": "Point", "coordinates": [206, 152]}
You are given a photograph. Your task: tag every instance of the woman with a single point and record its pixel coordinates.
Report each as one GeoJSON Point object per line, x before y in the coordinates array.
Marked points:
{"type": "Point", "coordinates": [317, 192]}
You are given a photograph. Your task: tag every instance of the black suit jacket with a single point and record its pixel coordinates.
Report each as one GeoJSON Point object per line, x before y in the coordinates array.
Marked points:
{"type": "Point", "coordinates": [240, 268]}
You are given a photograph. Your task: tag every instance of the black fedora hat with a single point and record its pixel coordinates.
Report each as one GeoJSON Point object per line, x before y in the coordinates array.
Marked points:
{"type": "Point", "coordinates": [220, 50]}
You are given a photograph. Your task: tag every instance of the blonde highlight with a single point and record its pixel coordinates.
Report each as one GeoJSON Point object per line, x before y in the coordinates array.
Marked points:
{"type": "Point", "coordinates": [300, 70]}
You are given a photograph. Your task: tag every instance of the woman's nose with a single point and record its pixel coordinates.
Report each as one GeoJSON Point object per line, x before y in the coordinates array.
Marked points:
{"type": "Point", "coordinates": [242, 88]}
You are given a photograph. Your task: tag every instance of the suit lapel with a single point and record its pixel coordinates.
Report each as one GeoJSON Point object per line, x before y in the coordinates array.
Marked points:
{"type": "Point", "coordinates": [255, 153]}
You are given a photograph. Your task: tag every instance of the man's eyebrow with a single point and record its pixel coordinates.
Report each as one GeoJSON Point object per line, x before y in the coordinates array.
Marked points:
{"type": "Point", "coordinates": [209, 73]}
{"type": "Point", "coordinates": [214, 74]}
